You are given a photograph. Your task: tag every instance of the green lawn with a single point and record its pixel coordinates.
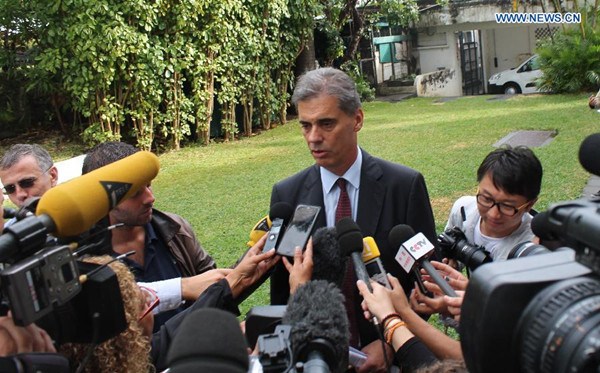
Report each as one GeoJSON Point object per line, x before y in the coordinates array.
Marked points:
{"type": "Point", "coordinates": [223, 189]}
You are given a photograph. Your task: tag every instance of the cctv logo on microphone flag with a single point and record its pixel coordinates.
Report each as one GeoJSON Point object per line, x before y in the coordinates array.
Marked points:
{"type": "Point", "coordinates": [415, 248]}
{"type": "Point", "coordinates": [115, 191]}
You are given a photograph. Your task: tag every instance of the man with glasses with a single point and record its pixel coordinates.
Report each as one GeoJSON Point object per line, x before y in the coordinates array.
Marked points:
{"type": "Point", "coordinates": [26, 170]}
{"type": "Point", "coordinates": [498, 216]}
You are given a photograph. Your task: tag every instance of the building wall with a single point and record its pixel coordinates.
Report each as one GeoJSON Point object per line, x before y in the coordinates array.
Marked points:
{"type": "Point", "coordinates": [438, 50]}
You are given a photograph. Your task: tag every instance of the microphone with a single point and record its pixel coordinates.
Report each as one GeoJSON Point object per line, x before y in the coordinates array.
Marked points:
{"type": "Point", "coordinates": [589, 154]}
{"type": "Point", "coordinates": [208, 340]}
{"type": "Point", "coordinates": [9, 213]}
{"type": "Point", "coordinates": [329, 263]}
{"type": "Point", "coordinates": [319, 335]}
{"type": "Point", "coordinates": [72, 208]}
{"type": "Point", "coordinates": [280, 214]}
{"type": "Point", "coordinates": [370, 257]}
{"type": "Point", "coordinates": [415, 248]}
{"type": "Point", "coordinates": [351, 241]}
{"type": "Point", "coordinates": [260, 229]}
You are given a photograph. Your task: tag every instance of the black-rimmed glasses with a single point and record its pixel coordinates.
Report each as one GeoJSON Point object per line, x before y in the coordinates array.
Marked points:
{"type": "Point", "coordinates": [504, 208]}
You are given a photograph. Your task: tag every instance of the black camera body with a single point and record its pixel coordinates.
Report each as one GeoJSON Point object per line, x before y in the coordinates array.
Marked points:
{"type": "Point", "coordinates": [454, 245]}
{"type": "Point", "coordinates": [539, 313]}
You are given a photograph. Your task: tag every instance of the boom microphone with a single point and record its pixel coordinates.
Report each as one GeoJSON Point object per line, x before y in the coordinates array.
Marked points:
{"type": "Point", "coordinates": [370, 256]}
{"type": "Point", "coordinates": [351, 241]}
{"type": "Point", "coordinates": [72, 208]}
{"type": "Point", "coordinates": [416, 249]}
{"type": "Point", "coordinates": [589, 154]}
{"type": "Point", "coordinates": [319, 336]}
{"type": "Point", "coordinates": [209, 340]}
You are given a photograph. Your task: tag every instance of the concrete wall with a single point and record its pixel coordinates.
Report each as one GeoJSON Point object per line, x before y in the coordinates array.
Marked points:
{"type": "Point", "coordinates": [443, 83]}
{"type": "Point", "coordinates": [438, 51]}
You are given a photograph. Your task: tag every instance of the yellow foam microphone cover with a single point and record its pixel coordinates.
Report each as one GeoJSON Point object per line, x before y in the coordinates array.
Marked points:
{"type": "Point", "coordinates": [78, 204]}
{"type": "Point", "coordinates": [260, 229]}
{"type": "Point", "coordinates": [370, 249]}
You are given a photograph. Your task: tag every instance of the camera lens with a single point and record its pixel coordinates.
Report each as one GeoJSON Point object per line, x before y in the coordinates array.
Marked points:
{"type": "Point", "coordinates": [527, 248]}
{"type": "Point", "coordinates": [560, 327]}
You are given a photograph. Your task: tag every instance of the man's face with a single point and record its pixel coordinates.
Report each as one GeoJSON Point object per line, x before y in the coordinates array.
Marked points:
{"type": "Point", "coordinates": [493, 222]}
{"type": "Point", "coordinates": [27, 180]}
{"type": "Point", "coordinates": [331, 134]}
{"type": "Point", "coordinates": [136, 210]}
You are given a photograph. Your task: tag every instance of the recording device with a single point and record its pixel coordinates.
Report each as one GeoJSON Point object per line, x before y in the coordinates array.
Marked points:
{"type": "Point", "coordinates": [208, 340]}
{"type": "Point", "coordinates": [541, 313]}
{"type": "Point", "coordinates": [298, 230]}
{"type": "Point", "coordinates": [47, 287]}
{"type": "Point", "coordinates": [313, 336]}
{"type": "Point", "coordinates": [370, 256]}
{"type": "Point", "coordinates": [35, 362]}
{"type": "Point", "coordinates": [454, 245]}
{"type": "Point", "coordinates": [351, 241]}
{"type": "Point", "coordinates": [415, 250]}
{"type": "Point", "coordinates": [279, 215]}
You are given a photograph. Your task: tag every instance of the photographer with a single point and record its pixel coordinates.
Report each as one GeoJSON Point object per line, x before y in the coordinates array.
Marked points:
{"type": "Point", "coordinates": [498, 216]}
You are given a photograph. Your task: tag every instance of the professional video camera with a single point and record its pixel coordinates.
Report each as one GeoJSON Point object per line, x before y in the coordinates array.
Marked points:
{"type": "Point", "coordinates": [541, 313]}
{"type": "Point", "coordinates": [44, 282]}
{"type": "Point", "coordinates": [454, 245]}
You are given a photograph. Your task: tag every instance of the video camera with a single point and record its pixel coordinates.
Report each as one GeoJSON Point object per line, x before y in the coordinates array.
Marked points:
{"type": "Point", "coordinates": [46, 284]}
{"type": "Point", "coordinates": [540, 313]}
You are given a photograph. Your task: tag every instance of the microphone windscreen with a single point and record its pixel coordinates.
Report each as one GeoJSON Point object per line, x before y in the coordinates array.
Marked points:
{"type": "Point", "coordinates": [349, 236]}
{"type": "Point", "coordinates": [281, 210]}
{"type": "Point", "coordinates": [329, 263]}
{"type": "Point", "coordinates": [316, 310]}
{"type": "Point", "coordinates": [79, 203]}
{"type": "Point", "coordinates": [589, 154]}
{"type": "Point", "coordinates": [400, 234]}
{"type": "Point", "coordinates": [208, 340]}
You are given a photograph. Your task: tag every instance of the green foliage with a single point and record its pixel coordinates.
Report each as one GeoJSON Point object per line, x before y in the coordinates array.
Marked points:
{"type": "Point", "coordinates": [399, 13]}
{"type": "Point", "coordinates": [366, 92]}
{"type": "Point", "coordinates": [571, 63]}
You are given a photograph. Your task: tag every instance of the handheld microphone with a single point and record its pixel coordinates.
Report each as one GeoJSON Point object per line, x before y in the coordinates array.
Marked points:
{"type": "Point", "coordinates": [72, 208]}
{"type": "Point", "coordinates": [208, 340]}
{"type": "Point", "coordinates": [351, 241]}
{"type": "Point", "coordinates": [415, 250]}
{"type": "Point", "coordinates": [280, 214]}
{"type": "Point", "coordinates": [319, 335]}
{"type": "Point", "coordinates": [370, 257]}
{"type": "Point", "coordinates": [259, 230]}
{"type": "Point", "coordinates": [329, 262]}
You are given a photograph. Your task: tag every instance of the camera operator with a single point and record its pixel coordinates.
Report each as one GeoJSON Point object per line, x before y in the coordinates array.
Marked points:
{"type": "Point", "coordinates": [498, 216]}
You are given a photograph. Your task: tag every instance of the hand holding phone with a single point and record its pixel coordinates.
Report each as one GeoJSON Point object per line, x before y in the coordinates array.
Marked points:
{"type": "Point", "coordinates": [299, 229]}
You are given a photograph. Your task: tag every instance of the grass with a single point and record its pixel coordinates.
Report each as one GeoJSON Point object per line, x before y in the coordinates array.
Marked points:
{"type": "Point", "coordinates": [223, 189]}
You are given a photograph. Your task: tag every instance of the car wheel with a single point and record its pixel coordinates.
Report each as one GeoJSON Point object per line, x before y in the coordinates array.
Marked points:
{"type": "Point", "coordinates": [511, 89]}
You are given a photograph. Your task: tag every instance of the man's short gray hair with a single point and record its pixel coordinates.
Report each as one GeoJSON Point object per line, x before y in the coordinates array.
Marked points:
{"type": "Point", "coordinates": [329, 81]}
{"type": "Point", "coordinates": [16, 152]}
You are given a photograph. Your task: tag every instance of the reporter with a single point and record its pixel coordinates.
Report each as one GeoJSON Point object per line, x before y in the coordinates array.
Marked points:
{"type": "Point", "coordinates": [442, 346]}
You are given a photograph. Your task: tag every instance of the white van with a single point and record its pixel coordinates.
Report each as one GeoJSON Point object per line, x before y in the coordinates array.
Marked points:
{"type": "Point", "coordinates": [517, 80]}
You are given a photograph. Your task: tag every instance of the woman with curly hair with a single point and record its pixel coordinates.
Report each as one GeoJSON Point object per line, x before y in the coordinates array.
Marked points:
{"type": "Point", "coordinates": [128, 351]}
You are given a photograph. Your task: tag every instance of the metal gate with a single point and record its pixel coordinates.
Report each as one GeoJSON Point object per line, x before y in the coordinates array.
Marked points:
{"type": "Point", "coordinates": [470, 63]}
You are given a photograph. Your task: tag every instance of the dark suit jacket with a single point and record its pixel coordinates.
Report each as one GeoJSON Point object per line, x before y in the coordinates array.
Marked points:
{"type": "Point", "coordinates": [390, 194]}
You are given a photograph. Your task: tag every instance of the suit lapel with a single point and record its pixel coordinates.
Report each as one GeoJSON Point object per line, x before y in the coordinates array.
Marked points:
{"type": "Point", "coordinates": [371, 194]}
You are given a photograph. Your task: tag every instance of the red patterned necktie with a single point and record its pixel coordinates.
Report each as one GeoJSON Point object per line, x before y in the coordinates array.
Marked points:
{"type": "Point", "coordinates": [344, 210]}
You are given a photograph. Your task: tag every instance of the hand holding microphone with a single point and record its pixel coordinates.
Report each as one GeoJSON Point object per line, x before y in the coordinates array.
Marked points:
{"type": "Point", "coordinates": [414, 252]}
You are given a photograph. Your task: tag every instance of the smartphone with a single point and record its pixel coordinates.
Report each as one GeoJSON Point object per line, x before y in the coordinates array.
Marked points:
{"type": "Point", "coordinates": [299, 229]}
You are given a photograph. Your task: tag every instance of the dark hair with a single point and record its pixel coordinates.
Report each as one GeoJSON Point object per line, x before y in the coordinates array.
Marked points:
{"type": "Point", "coordinates": [329, 81]}
{"type": "Point", "coordinates": [16, 152]}
{"type": "Point", "coordinates": [106, 153]}
{"type": "Point", "coordinates": [514, 170]}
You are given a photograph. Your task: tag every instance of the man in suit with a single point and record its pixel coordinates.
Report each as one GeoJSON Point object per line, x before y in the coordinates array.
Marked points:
{"type": "Point", "coordinates": [381, 194]}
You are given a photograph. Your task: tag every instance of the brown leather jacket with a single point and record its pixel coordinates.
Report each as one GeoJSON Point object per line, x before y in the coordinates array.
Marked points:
{"type": "Point", "coordinates": [178, 235]}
